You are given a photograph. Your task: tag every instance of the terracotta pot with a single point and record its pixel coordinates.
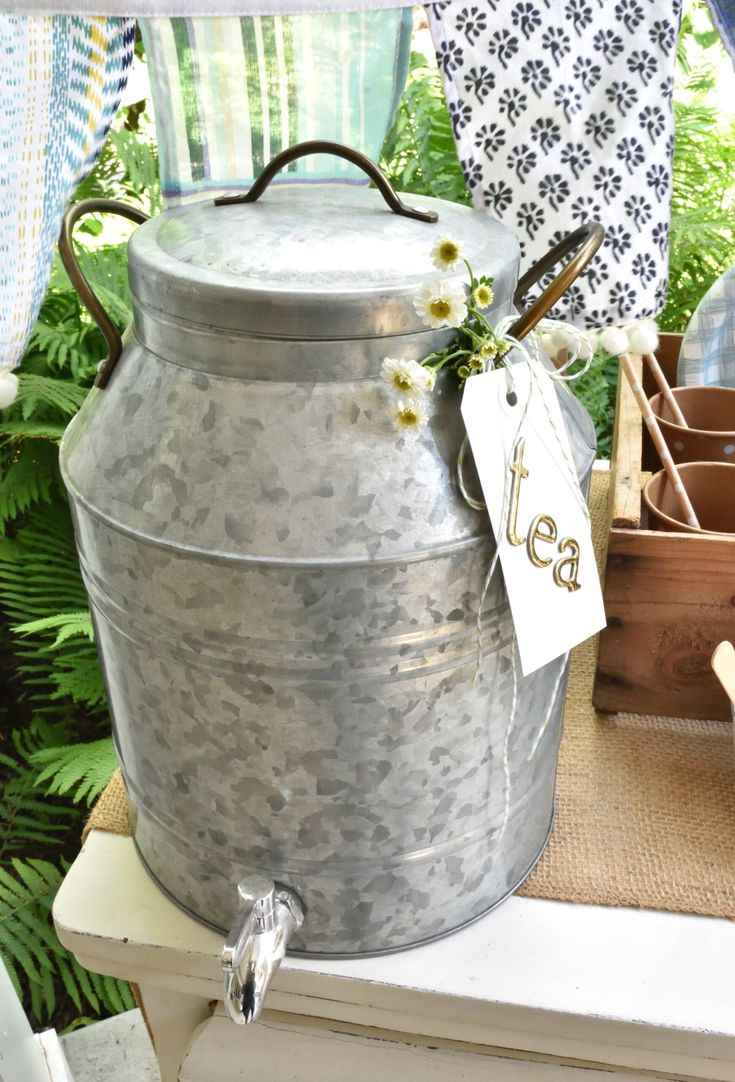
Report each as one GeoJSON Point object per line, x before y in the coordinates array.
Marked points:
{"type": "Point", "coordinates": [711, 488]}
{"type": "Point", "coordinates": [710, 414]}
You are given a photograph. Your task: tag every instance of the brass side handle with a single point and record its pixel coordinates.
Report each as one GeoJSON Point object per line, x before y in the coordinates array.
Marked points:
{"type": "Point", "coordinates": [584, 242]}
{"type": "Point", "coordinates": [323, 146]}
{"type": "Point", "coordinates": [76, 275]}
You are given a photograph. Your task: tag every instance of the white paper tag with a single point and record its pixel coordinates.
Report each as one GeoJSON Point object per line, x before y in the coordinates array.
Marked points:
{"type": "Point", "coordinates": [537, 511]}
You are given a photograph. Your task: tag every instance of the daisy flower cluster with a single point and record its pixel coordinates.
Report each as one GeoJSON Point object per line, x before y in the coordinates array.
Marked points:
{"type": "Point", "coordinates": [445, 303]}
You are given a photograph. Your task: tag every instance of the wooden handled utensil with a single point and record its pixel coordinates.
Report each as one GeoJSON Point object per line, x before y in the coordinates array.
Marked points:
{"type": "Point", "coordinates": [663, 386]}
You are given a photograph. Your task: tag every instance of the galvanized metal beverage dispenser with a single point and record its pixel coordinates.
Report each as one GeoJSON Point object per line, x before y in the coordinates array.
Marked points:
{"type": "Point", "coordinates": [286, 590]}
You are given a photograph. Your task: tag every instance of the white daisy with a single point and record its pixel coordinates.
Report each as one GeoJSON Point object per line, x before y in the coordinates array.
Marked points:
{"type": "Point", "coordinates": [409, 415]}
{"type": "Point", "coordinates": [441, 304]}
{"type": "Point", "coordinates": [482, 296]}
{"type": "Point", "coordinates": [446, 253]}
{"type": "Point", "coordinates": [407, 377]}
{"type": "Point", "coordinates": [489, 349]}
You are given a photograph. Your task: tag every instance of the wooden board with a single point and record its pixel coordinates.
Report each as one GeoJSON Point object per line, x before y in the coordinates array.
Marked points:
{"type": "Point", "coordinates": [625, 462]}
{"type": "Point", "coordinates": [669, 597]}
{"type": "Point", "coordinates": [285, 1048]}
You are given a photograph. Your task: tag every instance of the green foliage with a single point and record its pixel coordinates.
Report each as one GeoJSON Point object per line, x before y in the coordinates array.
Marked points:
{"type": "Point", "coordinates": [39, 574]}
{"type": "Point", "coordinates": [419, 154]}
{"type": "Point", "coordinates": [702, 210]}
{"type": "Point", "coordinates": [35, 960]}
{"type": "Point", "coordinates": [29, 477]}
{"type": "Point", "coordinates": [27, 890]}
{"type": "Point", "coordinates": [67, 623]}
{"type": "Point", "coordinates": [37, 393]}
{"type": "Point", "coordinates": [127, 169]}
{"type": "Point", "coordinates": [82, 769]}
{"type": "Point", "coordinates": [597, 391]}
{"type": "Point", "coordinates": [60, 755]}
{"type": "Point", "coordinates": [26, 819]}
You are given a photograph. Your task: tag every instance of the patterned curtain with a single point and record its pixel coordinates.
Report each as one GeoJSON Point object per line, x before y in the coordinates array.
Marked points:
{"type": "Point", "coordinates": [562, 113]}
{"type": "Point", "coordinates": [229, 93]}
{"type": "Point", "coordinates": [61, 79]}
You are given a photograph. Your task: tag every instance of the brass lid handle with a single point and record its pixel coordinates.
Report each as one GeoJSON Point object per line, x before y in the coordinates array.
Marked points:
{"type": "Point", "coordinates": [76, 275]}
{"type": "Point", "coordinates": [323, 146]}
{"type": "Point", "coordinates": [584, 242]}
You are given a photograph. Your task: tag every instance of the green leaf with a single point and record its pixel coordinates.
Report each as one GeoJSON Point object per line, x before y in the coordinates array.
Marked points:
{"type": "Point", "coordinates": [32, 953]}
{"type": "Point", "coordinates": [30, 476]}
{"type": "Point", "coordinates": [70, 624]}
{"type": "Point", "coordinates": [32, 430]}
{"type": "Point", "coordinates": [82, 769]}
{"type": "Point", "coordinates": [60, 396]}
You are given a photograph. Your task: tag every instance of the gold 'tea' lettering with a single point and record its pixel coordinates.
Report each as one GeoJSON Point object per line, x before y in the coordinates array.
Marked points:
{"type": "Point", "coordinates": [543, 528]}
{"type": "Point", "coordinates": [572, 562]}
{"type": "Point", "coordinates": [519, 472]}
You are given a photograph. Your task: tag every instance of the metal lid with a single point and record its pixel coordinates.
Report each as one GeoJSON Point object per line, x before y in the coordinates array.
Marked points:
{"type": "Point", "coordinates": [307, 262]}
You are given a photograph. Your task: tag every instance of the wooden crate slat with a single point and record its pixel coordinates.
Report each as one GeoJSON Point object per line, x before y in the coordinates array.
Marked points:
{"type": "Point", "coordinates": [625, 462]}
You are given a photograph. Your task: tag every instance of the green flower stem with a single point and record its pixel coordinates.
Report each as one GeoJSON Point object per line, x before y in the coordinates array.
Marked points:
{"type": "Point", "coordinates": [481, 319]}
{"type": "Point", "coordinates": [469, 271]}
{"type": "Point", "coordinates": [442, 361]}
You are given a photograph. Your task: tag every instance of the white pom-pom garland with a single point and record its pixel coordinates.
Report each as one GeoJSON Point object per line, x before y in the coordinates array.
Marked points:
{"type": "Point", "coordinates": [563, 339]}
{"type": "Point", "coordinates": [642, 336]}
{"type": "Point", "coordinates": [614, 340]}
{"type": "Point", "coordinates": [547, 344]}
{"type": "Point", "coordinates": [587, 345]}
{"type": "Point", "coordinates": [8, 388]}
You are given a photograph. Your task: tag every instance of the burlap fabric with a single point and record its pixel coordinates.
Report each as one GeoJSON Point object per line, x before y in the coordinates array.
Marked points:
{"type": "Point", "coordinates": [645, 807]}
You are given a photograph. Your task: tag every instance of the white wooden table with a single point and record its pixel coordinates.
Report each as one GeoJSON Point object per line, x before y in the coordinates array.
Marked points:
{"type": "Point", "coordinates": [536, 991]}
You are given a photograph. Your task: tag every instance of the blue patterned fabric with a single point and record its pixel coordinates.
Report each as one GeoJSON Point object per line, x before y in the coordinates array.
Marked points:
{"type": "Point", "coordinates": [61, 79]}
{"type": "Point", "coordinates": [723, 16]}
{"type": "Point", "coordinates": [707, 354]}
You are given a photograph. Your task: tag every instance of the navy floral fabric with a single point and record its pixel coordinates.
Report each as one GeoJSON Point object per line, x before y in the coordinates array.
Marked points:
{"type": "Point", "coordinates": [562, 113]}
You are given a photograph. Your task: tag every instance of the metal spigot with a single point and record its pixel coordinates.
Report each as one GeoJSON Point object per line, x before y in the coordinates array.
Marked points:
{"type": "Point", "coordinates": [256, 944]}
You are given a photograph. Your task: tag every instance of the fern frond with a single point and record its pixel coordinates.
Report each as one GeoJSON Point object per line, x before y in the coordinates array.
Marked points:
{"type": "Point", "coordinates": [28, 476]}
{"type": "Point", "coordinates": [105, 269]}
{"type": "Point", "coordinates": [40, 578]}
{"type": "Point", "coordinates": [33, 430]}
{"type": "Point", "coordinates": [69, 624]}
{"type": "Point", "coordinates": [141, 164]}
{"type": "Point", "coordinates": [65, 340]}
{"type": "Point", "coordinates": [79, 678]}
{"type": "Point", "coordinates": [419, 153]}
{"type": "Point", "coordinates": [26, 939]}
{"type": "Point", "coordinates": [62, 396]}
{"type": "Point", "coordinates": [84, 769]}
{"type": "Point", "coordinates": [31, 950]}
{"type": "Point", "coordinates": [101, 992]}
{"type": "Point", "coordinates": [26, 820]}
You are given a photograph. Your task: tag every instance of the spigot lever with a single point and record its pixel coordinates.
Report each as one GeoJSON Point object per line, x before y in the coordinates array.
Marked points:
{"type": "Point", "coordinates": [256, 944]}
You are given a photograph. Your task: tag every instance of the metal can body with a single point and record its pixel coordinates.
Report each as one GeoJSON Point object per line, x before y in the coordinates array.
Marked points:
{"type": "Point", "coordinates": [307, 674]}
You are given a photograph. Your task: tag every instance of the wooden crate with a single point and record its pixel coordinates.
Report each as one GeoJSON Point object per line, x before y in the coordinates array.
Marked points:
{"type": "Point", "coordinates": [669, 597]}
